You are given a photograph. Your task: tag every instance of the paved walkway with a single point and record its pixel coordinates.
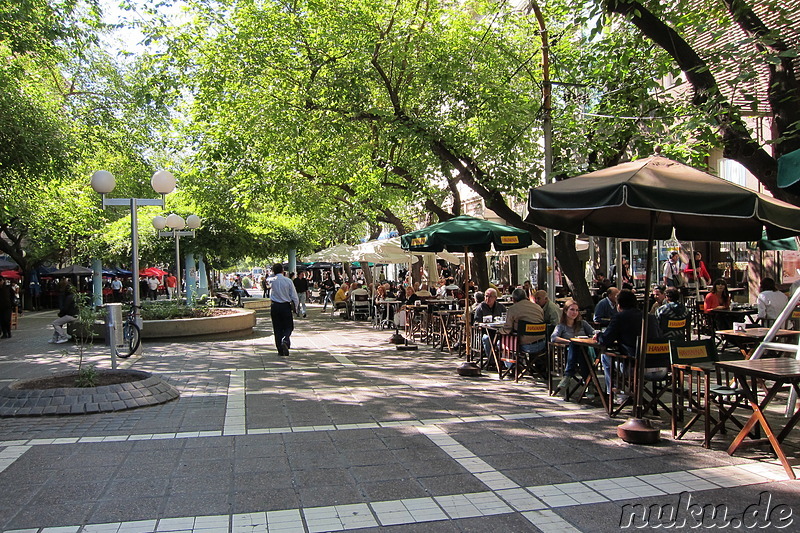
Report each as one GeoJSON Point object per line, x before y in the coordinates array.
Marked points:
{"type": "Point", "coordinates": [348, 433]}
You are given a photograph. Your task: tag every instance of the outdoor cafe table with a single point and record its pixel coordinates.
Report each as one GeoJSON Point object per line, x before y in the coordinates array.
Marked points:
{"type": "Point", "coordinates": [748, 339]}
{"type": "Point", "coordinates": [449, 325]}
{"type": "Point", "coordinates": [493, 330]}
{"type": "Point", "coordinates": [781, 371]}
{"type": "Point", "coordinates": [583, 345]}
{"type": "Point", "coordinates": [741, 314]}
{"type": "Point", "coordinates": [387, 310]}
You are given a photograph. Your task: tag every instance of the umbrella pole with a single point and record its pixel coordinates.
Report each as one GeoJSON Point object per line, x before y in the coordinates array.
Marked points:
{"type": "Point", "coordinates": [637, 430]}
{"type": "Point", "coordinates": [468, 367]}
{"type": "Point", "coordinates": [467, 324]}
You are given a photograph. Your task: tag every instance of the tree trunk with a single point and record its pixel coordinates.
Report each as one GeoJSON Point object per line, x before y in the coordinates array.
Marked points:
{"type": "Point", "coordinates": [480, 270]}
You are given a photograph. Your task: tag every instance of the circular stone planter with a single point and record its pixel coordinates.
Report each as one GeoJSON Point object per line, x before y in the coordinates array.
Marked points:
{"type": "Point", "coordinates": [234, 321]}
{"type": "Point", "coordinates": [128, 389]}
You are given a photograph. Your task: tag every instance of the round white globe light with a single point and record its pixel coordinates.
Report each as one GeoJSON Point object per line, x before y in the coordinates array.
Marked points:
{"type": "Point", "coordinates": [193, 222]}
{"type": "Point", "coordinates": [175, 221]}
{"type": "Point", "coordinates": [159, 222]}
{"type": "Point", "coordinates": [103, 181]}
{"type": "Point", "coordinates": [163, 182]}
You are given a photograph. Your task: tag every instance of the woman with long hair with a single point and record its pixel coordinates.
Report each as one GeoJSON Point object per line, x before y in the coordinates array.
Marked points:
{"type": "Point", "coordinates": [718, 298]}
{"type": "Point", "coordinates": [571, 325]}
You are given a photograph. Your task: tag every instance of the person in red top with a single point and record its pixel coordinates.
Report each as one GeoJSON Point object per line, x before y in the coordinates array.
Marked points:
{"type": "Point", "coordinates": [702, 272]}
{"type": "Point", "coordinates": [719, 298]}
{"type": "Point", "coordinates": [172, 284]}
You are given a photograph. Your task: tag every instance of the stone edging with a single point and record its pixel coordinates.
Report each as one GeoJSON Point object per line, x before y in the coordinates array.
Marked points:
{"type": "Point", "coordinates": [149, 390]}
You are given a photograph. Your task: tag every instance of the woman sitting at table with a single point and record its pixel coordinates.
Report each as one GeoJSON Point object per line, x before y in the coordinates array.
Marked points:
{"type": "Point", "coordinates": [770, 303]}
{"type": "Point", "coordinates": [718, 298]}
{"type": "Point", "coordinates": [571, 325]}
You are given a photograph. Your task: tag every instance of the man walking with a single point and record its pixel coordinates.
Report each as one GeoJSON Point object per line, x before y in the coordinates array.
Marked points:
{"type": "Point", "coordinates": [283, 296]}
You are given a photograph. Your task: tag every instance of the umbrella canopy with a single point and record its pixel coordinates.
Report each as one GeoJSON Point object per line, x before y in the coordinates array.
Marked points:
{"type": "Point", "coordinates": [72, 270]}
{"type": "Point", "coordinates": [465, 234]}
{"type": "Point", "coordinates": [339, 252]}
{"type": "Point", "coordinates": [11, 274]}
{"type": "Point", "coordinates": [648, 199]}
{"type": "Point", "coordinates": [617, 202]}
{"type": "Point", "coordinates": [580, 245]}
{"type": "Point", "coordinates": [153, 271]}
{"type": "Point", "coordinates": [7, 265]}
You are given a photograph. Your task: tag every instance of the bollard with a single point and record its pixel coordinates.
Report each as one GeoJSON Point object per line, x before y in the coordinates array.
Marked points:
{"type": "Point", "coordinates": [114, 330]}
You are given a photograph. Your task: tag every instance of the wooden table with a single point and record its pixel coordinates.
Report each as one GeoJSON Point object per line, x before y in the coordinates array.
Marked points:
{"type": "Point", "coordinates": [781, 371]}
{"type": "Point", "coordinates": [492, 329]}
{"type": "Point", "coordinates": [583, 346]}
{"type": "Point", "coordinates": [748, 339]}
{"type": "Point", "coordinates": [448, 323]}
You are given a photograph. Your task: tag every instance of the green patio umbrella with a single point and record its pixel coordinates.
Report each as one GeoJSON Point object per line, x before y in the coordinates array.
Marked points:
{"type": "Point", "coordinates": [466, 234]}
{"type": "Point", "coordinates": [649, 198]}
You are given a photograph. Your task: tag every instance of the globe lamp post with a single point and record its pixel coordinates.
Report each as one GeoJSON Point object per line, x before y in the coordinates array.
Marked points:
{"type": "Point", "coordinates": [178, 227]}
{"type": "Point", "coordinates": [163, 183]}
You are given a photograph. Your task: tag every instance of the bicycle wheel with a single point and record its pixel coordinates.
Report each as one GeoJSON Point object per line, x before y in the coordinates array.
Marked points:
{"type": "Point", "coordinates": [131, 337]}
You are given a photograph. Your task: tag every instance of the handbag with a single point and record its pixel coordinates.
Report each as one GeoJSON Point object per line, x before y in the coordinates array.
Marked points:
{"type": "Point", "coordinates": [678, 280]}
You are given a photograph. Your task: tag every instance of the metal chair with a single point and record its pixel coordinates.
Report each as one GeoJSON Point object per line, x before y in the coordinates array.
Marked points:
{"type": "Point", "coordinates": [361, 306]}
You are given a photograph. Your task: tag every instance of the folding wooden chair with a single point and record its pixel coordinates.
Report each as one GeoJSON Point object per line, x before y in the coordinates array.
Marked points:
{"type": "Point", "coordinates": [657, 381]}
{"type": "Point", "coordinates": [695, 391]}
{"type": "Point", "coordinates": [14, 320]}
{"type": "Point", "coordinates": [512, 357]}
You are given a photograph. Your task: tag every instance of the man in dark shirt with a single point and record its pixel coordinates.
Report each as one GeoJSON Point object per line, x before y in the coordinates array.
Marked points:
{"type": "Point", "coordinates": [301, 286]}
{"type": "Point", "coordinates": [623, 330]}
{"type": "Point", "coordinates": [329, 289]}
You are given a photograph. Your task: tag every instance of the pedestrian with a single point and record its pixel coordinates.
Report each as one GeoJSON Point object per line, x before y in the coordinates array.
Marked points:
{"type": "Point", "coordinates": [68, 312]}
{"type": "Point", "coordinates": [284, 297]}
{"type": "Point", "coordinates": [329, 288]}
{"type": "Point", "coordinates": [152, 285]}
{"type": "Point", "coordinates": [301, 286]}
{"type": "Point", "coordinates": [172, 285]}
{"type": "Point", "coordinates": [116, 289]}
{"type": "Point", "coordinates": [6, 307]}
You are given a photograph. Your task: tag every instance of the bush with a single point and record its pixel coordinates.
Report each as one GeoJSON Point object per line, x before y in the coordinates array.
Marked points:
{"type": "Point", "coordinates": [169, 310]}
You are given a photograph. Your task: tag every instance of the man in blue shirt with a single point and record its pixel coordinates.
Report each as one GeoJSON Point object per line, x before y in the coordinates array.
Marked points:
{"type": "Point", "coordinates": [283, 296]}
{"type": "Point", "coordinates": [607, 307]}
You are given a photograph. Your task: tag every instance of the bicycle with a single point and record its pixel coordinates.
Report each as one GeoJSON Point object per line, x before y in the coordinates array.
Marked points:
{"type": "Point", "coordinates": [131, 335]}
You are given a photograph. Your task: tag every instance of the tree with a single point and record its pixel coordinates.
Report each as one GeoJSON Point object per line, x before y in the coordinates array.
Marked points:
{"type": "Point", "coordinates": [763, 46]}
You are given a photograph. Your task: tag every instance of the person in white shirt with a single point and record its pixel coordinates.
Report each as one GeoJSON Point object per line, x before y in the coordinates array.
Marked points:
{"type": "Point", "coordinates": [770, 302]}
{"type": "Point", "coordinates": [283, 297]}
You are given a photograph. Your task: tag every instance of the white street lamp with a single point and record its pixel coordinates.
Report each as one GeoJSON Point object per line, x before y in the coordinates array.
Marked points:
{"type": "Point", "coordinates": [176, 224]}
{"type": "Point", "coordinates": [163, 183]}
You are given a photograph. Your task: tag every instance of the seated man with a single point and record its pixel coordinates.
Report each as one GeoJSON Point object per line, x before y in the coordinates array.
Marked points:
{"type": "Point", "coordinates": [623, 330]}
{"type": "Point", "coordinates": [672, 309]}
{"type": "Point", "coordinates": [66, 314]}
{"type": "Point", "coordinates": [489, 307]}
{"type": "Point", "coordinates": [357, 291]}
{"type": "Point", "coordinates": [659, 295]}
{"type": "Point", "coordinates": [607, 307]}
{"type": "Point", "coordinates": [552, 314]}
{"type": "Point", "coordinates": [527, 311]}
{"type": "Point", "coordinates": [342, 299]}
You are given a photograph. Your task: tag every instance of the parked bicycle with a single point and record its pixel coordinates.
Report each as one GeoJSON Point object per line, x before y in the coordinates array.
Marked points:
{"type": "Point", "coordinates": [131, 334]}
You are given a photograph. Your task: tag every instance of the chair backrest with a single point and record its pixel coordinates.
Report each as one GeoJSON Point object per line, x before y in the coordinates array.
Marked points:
{"type": "Point", "coordinates": [672, 328]}
{"type": "Point", "coordinates": [531, 328]}
{"type": "Point", "coordinates": [361, 297]}
{"type": "Point", "coordinates": [657, 354]}
{"type": "Point", "coordinates": [692, 352]}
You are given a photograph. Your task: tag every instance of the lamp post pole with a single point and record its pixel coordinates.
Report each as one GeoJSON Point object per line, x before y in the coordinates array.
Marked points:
{"type": "Point", "coordinates": [176, 223]}
{"type": "Point", "coordinates": [163, 182]}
